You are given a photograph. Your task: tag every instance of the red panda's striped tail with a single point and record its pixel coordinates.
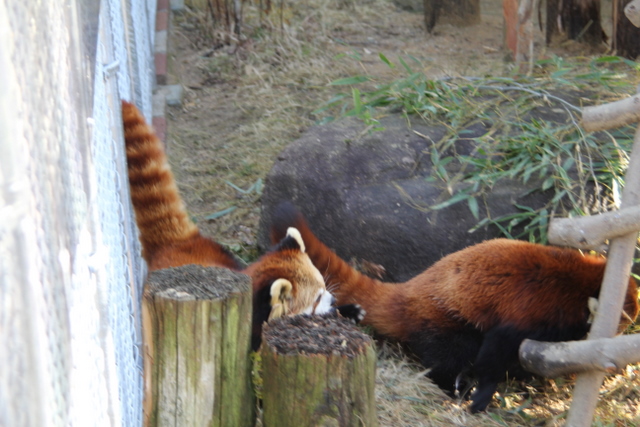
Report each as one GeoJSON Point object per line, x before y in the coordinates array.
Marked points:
{"type": "Point", "coordinates": [160, 211]}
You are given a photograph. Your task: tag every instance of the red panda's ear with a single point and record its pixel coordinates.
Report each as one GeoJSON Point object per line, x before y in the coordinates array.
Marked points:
{"type": "Point", "coordinates": [293, 240]}
{"type": "Point", "coordinates": [295, 234]}
{"type": "Point", "coordinates": [281, 293]}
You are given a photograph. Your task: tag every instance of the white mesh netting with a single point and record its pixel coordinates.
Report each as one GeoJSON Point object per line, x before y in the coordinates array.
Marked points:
{"type": "Point", "coordinates": [70, 273]}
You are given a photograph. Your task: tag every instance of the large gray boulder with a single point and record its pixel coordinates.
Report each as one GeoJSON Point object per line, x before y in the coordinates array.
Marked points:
{"type": "Point", "coordinates": [365, 194]}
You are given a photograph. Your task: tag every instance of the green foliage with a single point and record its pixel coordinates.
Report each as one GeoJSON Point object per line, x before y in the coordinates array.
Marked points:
{"type": "Point", "coordinates": [551, 157]}
{"type": "Point", "coordinates": [256, 374]}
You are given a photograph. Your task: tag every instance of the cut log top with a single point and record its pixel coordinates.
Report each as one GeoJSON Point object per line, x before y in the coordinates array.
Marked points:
{"type": "Point", "coordinates": [195, 282]}
{"type": "Point", "coordinates": [323, 335]}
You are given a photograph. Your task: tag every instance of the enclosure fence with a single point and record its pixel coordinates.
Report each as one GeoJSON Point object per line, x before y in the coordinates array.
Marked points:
{"type": "Point", "coordinates": [70, 271]}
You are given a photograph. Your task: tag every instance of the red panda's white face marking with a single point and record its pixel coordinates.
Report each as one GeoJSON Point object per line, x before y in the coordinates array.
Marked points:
{"type": "Point", "coordinates": [323, 304]}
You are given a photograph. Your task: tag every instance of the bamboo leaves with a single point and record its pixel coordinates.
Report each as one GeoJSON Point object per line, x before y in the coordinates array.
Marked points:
{"type": "Point", "coordinates": [555, 157]}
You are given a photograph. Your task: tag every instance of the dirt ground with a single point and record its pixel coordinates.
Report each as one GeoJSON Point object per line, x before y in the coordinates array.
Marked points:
{"type": "Point", "coordinates": [245, 102]}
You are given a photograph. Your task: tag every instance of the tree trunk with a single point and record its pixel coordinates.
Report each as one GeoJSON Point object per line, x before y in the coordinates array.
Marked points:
{"type": "Point", "coordinates": [317, 371]}
{"type": "Point", "coordinates": [197, 333]}
{"type": "Point", "coordinates": [579, 20]}
{"type": "Point", "coordinates": [456, 12]}
{"type": "Point", "coordinates": [524, 45]}
{"type": "Point", "coordinates": [626, 37]}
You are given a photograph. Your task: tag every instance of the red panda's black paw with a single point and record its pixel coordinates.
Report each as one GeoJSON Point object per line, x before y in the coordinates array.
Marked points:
{"type": "Point", "coordinates": [352, 311]}
{"type": "Point", "coordinates": [481, 398]}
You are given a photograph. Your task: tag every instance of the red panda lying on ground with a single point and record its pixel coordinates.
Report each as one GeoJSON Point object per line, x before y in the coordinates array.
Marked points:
{"type": "Point", "coordinates": [285, 282]}
{"type": "Point", "coordinates": [470, 311]}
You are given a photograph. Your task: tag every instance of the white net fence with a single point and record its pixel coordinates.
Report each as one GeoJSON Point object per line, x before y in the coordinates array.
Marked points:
{"type": "Point", "coordinates": [70, 273]}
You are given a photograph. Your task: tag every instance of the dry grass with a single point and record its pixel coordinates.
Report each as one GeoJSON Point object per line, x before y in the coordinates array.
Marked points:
{"type": "Point", "coordinates": [245, 102]}
{"type": "Point", "coordinates": [407, 398]}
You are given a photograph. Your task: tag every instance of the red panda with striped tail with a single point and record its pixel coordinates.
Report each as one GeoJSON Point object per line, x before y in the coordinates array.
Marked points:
{"type": "Point", "coordinates": [285, 282]}
{"type": "Point", "coordinates": [470, 311]}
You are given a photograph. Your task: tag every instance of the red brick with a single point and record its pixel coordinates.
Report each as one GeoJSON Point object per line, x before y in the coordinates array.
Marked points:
{"type": "Point", "coordinates": [163, 5]}
{"type": "Point", "coordinates": [162, 20]}
{"type": "Point", "coordinates": [161, 68]}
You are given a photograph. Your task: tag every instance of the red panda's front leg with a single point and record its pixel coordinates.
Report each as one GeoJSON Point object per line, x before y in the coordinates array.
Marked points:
{"type": "Point", "coordinates": [352, 312]}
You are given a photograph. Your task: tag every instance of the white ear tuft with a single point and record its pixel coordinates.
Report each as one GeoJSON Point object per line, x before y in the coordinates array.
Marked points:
{"type": "Point", "coordinates": [293, 232]}
{"type": "Point", "coordinates": [280, 295]}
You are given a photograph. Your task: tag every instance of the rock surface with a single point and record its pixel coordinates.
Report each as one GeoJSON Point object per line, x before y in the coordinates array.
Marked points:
{"type": "Point", "coordinates": [366, 194]}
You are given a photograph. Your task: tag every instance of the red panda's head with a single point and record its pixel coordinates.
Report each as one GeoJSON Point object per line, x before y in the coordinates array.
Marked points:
{"type": "Point", "coordinates": [286, 283]}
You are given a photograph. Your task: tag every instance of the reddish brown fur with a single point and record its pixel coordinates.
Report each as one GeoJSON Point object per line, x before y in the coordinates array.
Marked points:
{"type": "Point", "coordinates": [170, 239]}
{"type": "Point", "coordinates": [506, 290]}
{"type": "Point", "coordinates": [485, 284]}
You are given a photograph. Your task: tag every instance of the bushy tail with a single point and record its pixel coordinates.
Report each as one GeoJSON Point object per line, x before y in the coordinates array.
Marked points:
{"type": "Point", "coordinates": [160, 211]}
{"type": "Point", "coordinates": [347, 284]}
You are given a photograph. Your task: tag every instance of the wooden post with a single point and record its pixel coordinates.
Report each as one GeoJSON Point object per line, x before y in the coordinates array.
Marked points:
{"type": "Point", "coordinates": [612, 295]}
{"type": "Point", "coordinates": [591, 232]}
{"type": "Point", "coordinates": [317, 371]}
{"type": "Point", "coordinates": [614, 284]}
{"type": "Point", "coordinates": [553, 359]}
{"type": "Point", "coordinates": [197, 334]}
{"type": "Point", "coordinates": [612, 115]}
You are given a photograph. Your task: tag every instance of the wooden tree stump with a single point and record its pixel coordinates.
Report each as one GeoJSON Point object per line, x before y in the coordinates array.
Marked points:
{"type": "Point", "coordinates": [197, 337]}
{"type": "Point", "coordinates": [317, 371]}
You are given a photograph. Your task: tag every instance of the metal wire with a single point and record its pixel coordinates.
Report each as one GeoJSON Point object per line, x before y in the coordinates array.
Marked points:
{"type": "Point", "coordinates": [70, 271]}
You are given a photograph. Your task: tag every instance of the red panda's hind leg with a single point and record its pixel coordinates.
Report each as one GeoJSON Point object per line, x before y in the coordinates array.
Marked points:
{"type": "Point", "coordinates": [449, 356]}
{"type": "Point", "coordinates": [498, 352]}
{"type": "Point", "coordinates": [498, 355]}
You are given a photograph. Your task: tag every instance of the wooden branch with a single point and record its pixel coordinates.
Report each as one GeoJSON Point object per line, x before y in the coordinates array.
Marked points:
{"type": "Point", "coordinates": [591, 232]}
{"type": "Point", "coordinates": [612, 295]}
{"type": "Point", "coordinates": [197, 331]}
{"type": "Point", "coordinates": [612, 115]}
{"type": "Point", "coordinates": [317, 371]}
{"type": "Point", "coordinates": [632, 12]}
{"type": "Point", "coordinates": [553, 359]}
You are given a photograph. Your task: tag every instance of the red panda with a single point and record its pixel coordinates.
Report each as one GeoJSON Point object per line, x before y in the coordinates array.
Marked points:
{"type": "Point", "coordinates": [470, 311]}
{"type": "Point", "coordinates": [285, 282]}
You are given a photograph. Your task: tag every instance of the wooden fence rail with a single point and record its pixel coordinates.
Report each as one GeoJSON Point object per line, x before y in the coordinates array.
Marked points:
{"type": "Point", "coordinates": [622, 228]}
